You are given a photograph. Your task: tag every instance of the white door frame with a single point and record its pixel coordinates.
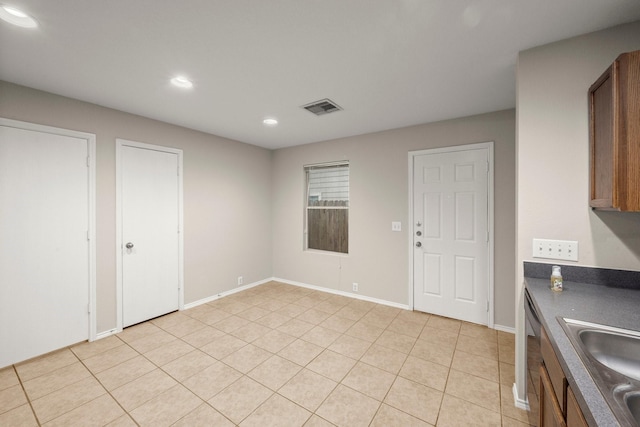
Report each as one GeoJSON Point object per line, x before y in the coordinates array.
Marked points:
{"type": "Point", "coordinates": [478, 146]}
{"type": "Point", "coordinates": [91, 233]}
{"type": "Point", "coordinates": [120, 143]}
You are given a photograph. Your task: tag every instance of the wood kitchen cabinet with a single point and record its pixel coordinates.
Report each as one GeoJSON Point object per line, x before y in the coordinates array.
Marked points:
{"type": "Point", "coordinates": [614, 136]}
{"type": "Point", "coordinates": [558, 405]}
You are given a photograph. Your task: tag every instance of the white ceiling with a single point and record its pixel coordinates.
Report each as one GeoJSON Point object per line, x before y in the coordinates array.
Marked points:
{"type": "Point", "coordinates": [387, 63]}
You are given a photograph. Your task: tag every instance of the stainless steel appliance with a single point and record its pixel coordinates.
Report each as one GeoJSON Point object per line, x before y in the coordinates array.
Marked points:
{"type": "Point", "coordinates": [534, 359]}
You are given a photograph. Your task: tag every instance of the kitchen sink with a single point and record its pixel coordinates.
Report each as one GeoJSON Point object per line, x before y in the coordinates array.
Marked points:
{"type": "Point", "coordinates": [612, 357]}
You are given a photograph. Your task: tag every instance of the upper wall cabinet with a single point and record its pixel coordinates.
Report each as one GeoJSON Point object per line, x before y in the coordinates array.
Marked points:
{"type": "Point", "coordinates": [614, 134]}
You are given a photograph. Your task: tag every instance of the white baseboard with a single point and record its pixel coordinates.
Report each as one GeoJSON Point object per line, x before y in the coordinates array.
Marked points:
{"type": "Point", "coordinates": [502, 328]}
{"type": "Point", "coordinates": [225, 293]}
{"type": "Point", "coordinates": [342, 293]}
{"type": "Point", "coordinates": [520, 403]}
{"type": "Point", "coordinates": [108, 333]}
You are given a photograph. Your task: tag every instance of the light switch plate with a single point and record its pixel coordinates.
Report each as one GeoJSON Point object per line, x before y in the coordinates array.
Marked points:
{"type": "Point", "coordinates": [396, 226]}
{"type": "Point", "coordinates": [555, 249]}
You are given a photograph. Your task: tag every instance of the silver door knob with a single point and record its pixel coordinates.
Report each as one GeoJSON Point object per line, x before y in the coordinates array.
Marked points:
{"type": "Point", "coordinates": [128, 245]}
{"type": "Point", "coordinates": [418, 244]}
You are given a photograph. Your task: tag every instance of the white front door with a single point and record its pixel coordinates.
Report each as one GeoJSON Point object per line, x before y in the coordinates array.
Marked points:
{"type": "Point", "coordinates": [150, 202]}
{"type": "Point", "coordinates": [451, 234]}
{"type": "Point", "coordinates": [45, 248]}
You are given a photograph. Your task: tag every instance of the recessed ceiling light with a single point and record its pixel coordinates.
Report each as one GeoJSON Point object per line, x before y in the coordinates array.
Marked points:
{"type": "Point", "coordinates": [270, 122]}
{"type": "Point", "coordinates": [16, 17]}
{"type": "Point", "coordinates": [182, 82]}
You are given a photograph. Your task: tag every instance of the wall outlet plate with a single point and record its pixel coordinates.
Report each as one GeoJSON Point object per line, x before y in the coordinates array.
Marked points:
{"type": "Point", "coordinates": [355, 287]}
{"type": "Point", "coordinates": [396, 226]}
{"type": "Point", "coordinates": [555, 249]}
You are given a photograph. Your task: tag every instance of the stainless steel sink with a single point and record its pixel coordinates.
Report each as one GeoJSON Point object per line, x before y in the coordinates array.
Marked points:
{"type": "Point", "coordinates": [612, 356]}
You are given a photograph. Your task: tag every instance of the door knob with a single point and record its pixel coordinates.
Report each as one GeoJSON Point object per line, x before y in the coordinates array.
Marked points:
{"type": "Point", "coordinates": [418, 244]}
{"type": "Point", "coordinates": [129, 245]}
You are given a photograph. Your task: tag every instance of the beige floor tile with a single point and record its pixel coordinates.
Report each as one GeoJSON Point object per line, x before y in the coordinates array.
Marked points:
{"type": "Point", "coordinates": [478, 347]}
{"type": "Point", "coordinates": [212, 380]}
{"type": "Point", "coordinates": [378, 319]}
{"type": "Point", "coordinates": [337, 323]}
{"type": "Point", "coordinates": [321, 336]}
{"type": "Point", "coordinates": [348, 408]}
{"type": "Point", "coordinates": [125, 372]}
{"type": "Point", "coordinates": [214, 316]}
{"type": "Point", "coordinates": [253, 313]}
{"type": "Point", "coordinates": [186, 326]}
{"type": "Point", "coordinates": [351, 347]}
{"type": "Point", "coordinates": [507, 353]}
{"type": "Point", "coordinates": [369, 380]}
{"type": "Point", "coordinates": [97, 412]}
{"type": "Point", "coordinates": [251, 332]}
{"type": "Point", "coordinates": [308, 302]}
{"type": "Point", "coordinates": [414, 316]}
{"type": "Point", "coordinates": [506, 338]}
{"type": "Point", "coordinates": [474, 389]}
{"type": "Point", "coordinates": [8, 378]}
{"type": "Point", "coordinates": [406, 327]}
{"type": "Point", "coordinates": [166, 408]}
{"type": "Point", "coordinates": [444, 323]}
{"type": "Point", "coordinates": [509, 410]}
{"type": "Point", "coordinates": [384, 358]}
{"type": "Point", "coordinates": [64, 400]}
{"type": "Point", "coordinates": [21, 416]}
{"type": "Point", "coordinates": [44, 364]}
{"type": "Point", "coordinates": [272, 305]}
{"type": "Point", "coordinates": [136, 332]}
{"type": "Point", "coordinates": [476, 365]}
{"type": "Point", "coordinates": [415, 399]}
{"type": "Point", "coordinates": [456, 412]}
{"type": "Point", "coordinates": [122, 421]}
{"type": "Point", "coordinates": [150, 342]}
{"type": "Point", "coordinates": [439, 337]}
{"type": "Point", "coordinates": [308, 389]}
{"type": "Point", "coordinates": [291, 310]}
{"type": "Point", "coordinates": [364, 331]}
{"type": "Point", "coordinates": [295, 327]}
{"type": "Point", "coordinates": [396, 341]}
{"type": "Point", "coordinates": [202, 337]}
{"type": "Point", "coordinates": [329, 307]}
{"type": "Point", "coordinates": [313, 316]}
{"type": "Point", "coordinates": [11, 398]}
{"type": "Point", "coordinates": [204, 415]}
{"type": "Point", "coordinates": [47, 383]}
{"type": "Point", "coordinates": [507, 374]}
{"type": "Point", "coordinates": [427, 350]}
{"type": "Point", "coordinates": [234, 307]}
{"type": "Point", "coordinates": [198, 311]}
{"type": "Point", "coordinates": [277, 412]}
{"type": "Point", "coordinates": [247, 358]}
{"type": "Point", "coordinates": [332, 365]}
{"type": "Point", "coordinates": [316, 421]}
{"type": "Point", "coordinates": [190, 364]}
{"type": "Point", "coordinates": [162, 355]}
{"type": "Point", "coordinates": [110, 358]}
{"type": "Point", "coordinates": [301, 352]}
{"type": "Point", "coordinates": [223, 346]}
{"type": "Point", "coordinates": [352, 313]}
{"type": "Point", "coordinates": [510, 422]}
{"type": "Point", "coordinates": [89, 349]}
{"type": "Point", "coordinates": [143, 389]}
{"type": "Point", "coordinates": [241, 398]}
{"type": "Point", "coordinates": [231, 323]}
{"type": "Point", "coordinates": [170, 319]}
{"type": "Point", "coordinates": [478, 331]}
{"type": "Point", "coordinates": [389, 416]}
{"type": "Point", "coordinates": [424, 372]}
{"type": "Point", "coordinates": [274, 341]}
{"type": "Point", "coordinates": [273, 320]}
{"type": "Point", "coordinates": [275, 372]}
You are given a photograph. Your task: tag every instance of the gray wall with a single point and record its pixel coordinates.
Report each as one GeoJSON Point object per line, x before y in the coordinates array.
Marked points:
{"type": "Point", "coordinates": [553, 156]}
{"type": "Point", "coordinates": [378, 257]}
{"type": "Point", "coordinates": [227, 189]}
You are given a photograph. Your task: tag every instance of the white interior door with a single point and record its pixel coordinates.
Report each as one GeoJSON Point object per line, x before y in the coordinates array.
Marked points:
{"type": "Point", "coordinates": [150, 215]}
{"type": "Point", "coordinates": [451, 235]}
{"type": "Point", "coordinates": [45, 256]}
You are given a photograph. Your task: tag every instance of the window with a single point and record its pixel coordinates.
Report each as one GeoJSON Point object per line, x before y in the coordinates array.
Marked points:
{"type": "Point", "coordinates": [327, 207]}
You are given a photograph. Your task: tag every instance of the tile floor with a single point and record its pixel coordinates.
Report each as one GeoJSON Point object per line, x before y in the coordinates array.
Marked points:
{"type": "Point", "coordinates": [274, 355]}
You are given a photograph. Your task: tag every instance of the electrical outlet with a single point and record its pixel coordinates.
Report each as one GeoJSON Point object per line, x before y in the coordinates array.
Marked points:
{"type": "Point", "coordinates": [355, 287]}
{"type": "Point", "coordinates": [240, 280]}
{"type": "Point", "coordinates": [396, 226]}
{"type": "Point", "coordinates": [555, 249]}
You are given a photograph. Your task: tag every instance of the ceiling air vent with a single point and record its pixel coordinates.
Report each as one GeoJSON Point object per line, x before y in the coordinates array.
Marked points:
{"type": "Point", "coordinates": [324, 106]}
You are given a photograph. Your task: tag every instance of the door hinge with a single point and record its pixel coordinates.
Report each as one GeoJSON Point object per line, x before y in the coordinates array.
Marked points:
{"type": "Point", "coordinates": [88, 235]}
{"type": "Point", "coordinates": [88, 161]}
{"type": "Point", "coordinates": [487, 306]}
{"type": "Point", "coordinates": [88, 308]}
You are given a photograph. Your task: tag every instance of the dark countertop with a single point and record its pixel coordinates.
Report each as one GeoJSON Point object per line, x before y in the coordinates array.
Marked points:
{"type": "Point", "coordinates": [590, 303]}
